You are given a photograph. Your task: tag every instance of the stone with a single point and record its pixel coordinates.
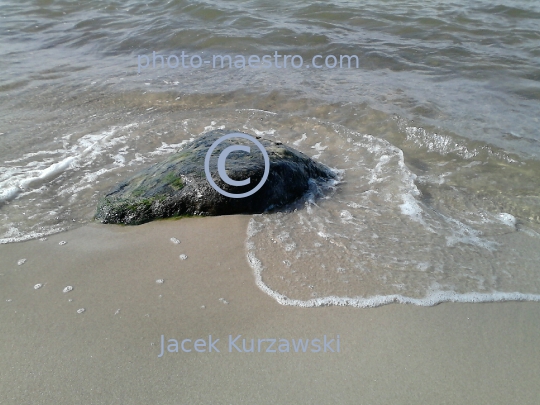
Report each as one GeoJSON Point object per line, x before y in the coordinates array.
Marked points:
{"type": "Point", "coordinates": [178, 185]}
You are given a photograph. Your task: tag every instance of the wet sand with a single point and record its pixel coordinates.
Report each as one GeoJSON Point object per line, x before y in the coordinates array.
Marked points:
{"type": "Point", "coordinates": [395, 354]}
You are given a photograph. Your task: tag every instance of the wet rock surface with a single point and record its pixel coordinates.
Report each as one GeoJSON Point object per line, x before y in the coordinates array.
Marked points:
{"type": "Point", "coordinates": [178, 186]}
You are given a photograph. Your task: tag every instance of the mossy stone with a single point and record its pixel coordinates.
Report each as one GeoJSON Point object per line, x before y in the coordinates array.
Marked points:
{"type": "Point", "coordinates": [178, 185]}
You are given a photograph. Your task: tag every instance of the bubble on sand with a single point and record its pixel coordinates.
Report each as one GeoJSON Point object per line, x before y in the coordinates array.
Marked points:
{"type": "Point", "coordinates": [21, 262]}
{"type": "Point", "coordinates": [160, 281]}
{"type": "Point", "coordinates": [183, 257]}
{"type": "Point", "coordinates": [224, 301]}
{"type": "Point", "coordinates": [8, 300]}
{"type": "Point", "coordinates": [203, 306]}
{"type": "Point", "coordinates": [62, 243]}
{"type": "Point", "coordinates": [67, 289]}
{"type": "Point", "coordinates": [117, 311]}
{"type": "Point", "coordinates": [175, 241]}
{"type": "Point", "coordinates": [70, 300]}
{"type": "Point", "coordinates": [38, 286]}
{"type": "Point", "coordinates": [81, 310]}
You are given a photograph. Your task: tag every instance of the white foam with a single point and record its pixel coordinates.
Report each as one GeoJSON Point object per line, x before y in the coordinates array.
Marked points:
{"type": "Point", "coordinates": [297, 142]}
{"type": "Point", "coordinates": [433, 297]}
{"type": "Point", "coordinates": [166, 149]}
{"type": "Point", "coordinates": [346, 215]}
{"type": "Point", "coordinates": [444, 145]}
{"type": "Point", "coordinates": [262, 133]}
{"type": "Point", "coordinates": [411, 208]}
{"type": "Point", "coordinates": [20, 179]}
{"type": "Point", "coordinates": [14, 235]}
{"type": "Point", "coordinates": [319, 148]}
{"type": "Point", "coordinates": [212, 127]}
{"type": "Point", "coordinates": [438, 143]}
{"type": "Point", "coordinates": [253, 228]}
{"type": "Point", "coordinates": [256, 110]}
{"type": "Point", "coordinates": [507, 219]}
{"type": "Point", "coordinates": [9, 193]}
{"type": "Point", "coordinates": [47, 174]}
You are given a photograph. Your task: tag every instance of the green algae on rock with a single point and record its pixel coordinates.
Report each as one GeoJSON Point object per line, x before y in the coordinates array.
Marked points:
{"type": "Point", "coordinates": [178, 185]}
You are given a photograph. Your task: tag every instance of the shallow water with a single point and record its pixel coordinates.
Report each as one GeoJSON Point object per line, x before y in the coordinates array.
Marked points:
{"type": "Point", "coordinates": [435, 135]}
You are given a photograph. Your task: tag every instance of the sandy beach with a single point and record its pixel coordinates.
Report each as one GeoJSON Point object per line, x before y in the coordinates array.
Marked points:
{"type": "Point", "coordinates": [424, 119]}
{"type": "Point", "coordinates": [399, 354]}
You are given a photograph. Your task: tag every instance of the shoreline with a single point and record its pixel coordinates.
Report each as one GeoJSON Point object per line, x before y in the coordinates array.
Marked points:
{"type": "Point", "coordinates": [450, 353]}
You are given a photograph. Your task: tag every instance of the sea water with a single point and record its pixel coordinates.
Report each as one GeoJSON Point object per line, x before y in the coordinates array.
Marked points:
{"type": "Point", "coordinates": [434, 137]}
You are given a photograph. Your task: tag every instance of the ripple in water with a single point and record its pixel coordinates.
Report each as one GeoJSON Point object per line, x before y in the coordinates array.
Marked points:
{"type": "Point", "coordinates": [379, 239]}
